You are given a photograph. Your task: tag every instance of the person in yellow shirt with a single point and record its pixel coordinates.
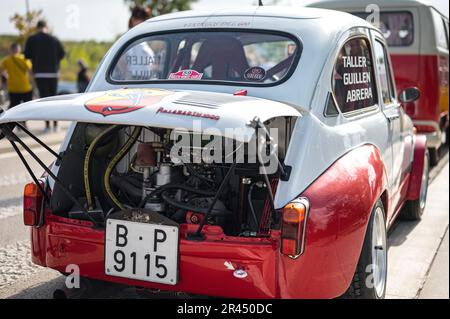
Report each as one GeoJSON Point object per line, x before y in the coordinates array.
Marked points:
{"type": "Point", "coordinates": [18, 70]}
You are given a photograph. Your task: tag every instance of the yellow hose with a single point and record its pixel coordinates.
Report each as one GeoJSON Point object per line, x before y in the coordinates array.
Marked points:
{"type": "Point", "coordinates": [125, 148]}
{"type": "Point", "coordinates": [87, 160]}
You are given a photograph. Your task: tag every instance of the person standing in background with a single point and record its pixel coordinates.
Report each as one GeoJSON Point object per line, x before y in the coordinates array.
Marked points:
{"type": "Point", "coordinates": [45, 52]}
{"type": "Point", "coordinates": [138, 62]}
{"type": "Point", "coordinates": [83, 78]}
{"type": "Point", "coordinates": [18, 70]}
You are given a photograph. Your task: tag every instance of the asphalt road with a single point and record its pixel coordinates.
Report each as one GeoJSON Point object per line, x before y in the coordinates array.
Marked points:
{"type": "Point", "coordinates": [421, 245]}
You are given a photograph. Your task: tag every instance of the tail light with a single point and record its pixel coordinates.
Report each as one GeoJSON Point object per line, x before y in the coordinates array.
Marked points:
{"type": "Point", "coordinates": [32, 204]}
{"type": "Point", "coordinates": [293, 228]}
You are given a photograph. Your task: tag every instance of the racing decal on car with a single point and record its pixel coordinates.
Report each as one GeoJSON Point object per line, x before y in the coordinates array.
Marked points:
{"type": "Point", "coordinates": [188, 113]}
{"type": "Point", "coordinates": [125, 101]}
{"type": "Point", "coordinates": [186, 75]}
{"type": "Point", "coordinates": [255, 73]}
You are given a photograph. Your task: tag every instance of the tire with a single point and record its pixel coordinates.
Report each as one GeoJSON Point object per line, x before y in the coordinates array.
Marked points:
{"type": "Point", "coordinates": [447, 136]}
{"type": "Point", "coordinates": [433, 156]}
{"type": "Point", "coordinates": [413, 210]}
{"type": "Point", "coordinates": [369, 282]}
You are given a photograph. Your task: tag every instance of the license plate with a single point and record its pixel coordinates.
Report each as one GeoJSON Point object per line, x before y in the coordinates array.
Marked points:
{"type": "Point", "coordinates": [142, 251]}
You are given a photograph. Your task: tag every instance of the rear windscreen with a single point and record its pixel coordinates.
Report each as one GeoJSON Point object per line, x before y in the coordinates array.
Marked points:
{"type": "Point", "coordinates": [397, 27]}
{"type": "Point", "coordinates": [225, 56]}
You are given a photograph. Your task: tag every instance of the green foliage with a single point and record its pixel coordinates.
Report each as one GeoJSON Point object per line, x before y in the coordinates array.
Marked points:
{"type": "Point", "coordinates": [159, 7]}
{"type": "Point", "coordinates": [90, 52]}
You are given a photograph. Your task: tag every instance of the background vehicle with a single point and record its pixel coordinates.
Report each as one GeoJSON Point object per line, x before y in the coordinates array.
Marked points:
{"type": "Point", "coordinates": [417, 35]}
{"type": "Point", "coordinates": [311, 226]}
{"type": "Point", "coordinates": [67, 88]}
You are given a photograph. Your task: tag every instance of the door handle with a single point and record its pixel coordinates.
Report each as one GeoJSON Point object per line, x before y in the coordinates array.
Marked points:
{"type": "Point", "coordinates": [393, 116]}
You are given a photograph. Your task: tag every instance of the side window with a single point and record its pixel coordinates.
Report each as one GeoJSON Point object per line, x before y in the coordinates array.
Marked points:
{"type": "Point", "coordinates": [384, 71]}
{"type": "Point", "coordinates": [353, 78]}
{"type": "Point", "coordinates": [446, 31]}
{"type": "Point", "coordinates": [441, 34]}
{"type": "Point", "coordinates": [396, 26]}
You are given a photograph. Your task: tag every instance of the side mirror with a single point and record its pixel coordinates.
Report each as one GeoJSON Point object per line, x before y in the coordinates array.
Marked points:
{"type": "Point", "coordinates": [409, 95]}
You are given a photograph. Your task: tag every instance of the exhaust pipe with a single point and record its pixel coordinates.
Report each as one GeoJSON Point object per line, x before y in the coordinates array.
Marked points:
{"type": "Point", "coordinates": [89, 289]}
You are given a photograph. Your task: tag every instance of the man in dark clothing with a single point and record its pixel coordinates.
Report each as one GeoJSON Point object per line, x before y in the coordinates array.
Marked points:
{"type": "Point", "coordinates": [45, 52]}
{"type": "Point", "coordinates": [82, 77]}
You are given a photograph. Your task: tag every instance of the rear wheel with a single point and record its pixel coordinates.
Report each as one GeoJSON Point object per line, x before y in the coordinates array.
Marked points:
{"type": "Point", "coordinates": [413, 210]}
{"type": "Point", "coordinates": [447, 136]}
{"type": "Point", "coordinates": [369, 281]}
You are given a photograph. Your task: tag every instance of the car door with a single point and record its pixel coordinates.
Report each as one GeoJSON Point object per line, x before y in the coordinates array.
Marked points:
{"type": "Point", "coordinates": [395, 120]}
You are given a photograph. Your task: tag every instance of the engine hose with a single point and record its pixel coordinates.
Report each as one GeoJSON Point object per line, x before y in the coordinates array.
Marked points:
{"type": "Point", "coordinates": [175, 186]}
{"type": "Point", "coordinates": [116, 159]}
{"type": "Point", "coordinates": [87, 161]}
{"type": "Point", "coordinates": [169, 200]}
{"type": "Point", "coordinates": [250, 204]}
{"type": "Point", "coordinates": [125, 186]}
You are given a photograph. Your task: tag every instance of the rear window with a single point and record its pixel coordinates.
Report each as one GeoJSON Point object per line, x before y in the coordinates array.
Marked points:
{"type": "Point", "coordinates": [225, 56]}
{"type": "Point", "coordinates": [397, 27]}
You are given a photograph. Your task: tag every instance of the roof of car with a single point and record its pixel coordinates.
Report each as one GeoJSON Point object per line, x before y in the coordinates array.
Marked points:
{"type": "Point", "coordinates": [338, 4]}
{"type": "Point", "coordinates": [286, 12]}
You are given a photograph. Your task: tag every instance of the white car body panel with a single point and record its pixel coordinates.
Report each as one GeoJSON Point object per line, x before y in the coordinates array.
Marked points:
{"type": "Point", "coordinates": [231, 112]}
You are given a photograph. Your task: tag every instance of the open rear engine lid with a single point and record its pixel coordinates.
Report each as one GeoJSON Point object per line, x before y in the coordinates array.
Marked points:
{"type": "Point", "coordinates": [214, 113]}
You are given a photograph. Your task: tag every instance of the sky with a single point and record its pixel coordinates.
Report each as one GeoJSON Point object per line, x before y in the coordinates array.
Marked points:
{"type": "Point", "coordinates": [104, 20]}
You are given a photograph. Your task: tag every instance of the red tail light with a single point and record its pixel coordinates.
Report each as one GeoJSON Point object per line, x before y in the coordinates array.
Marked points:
{"type": "Point", "coordinates": [32, 204]}
{"type": "Point", "coordinates": [293, 228]}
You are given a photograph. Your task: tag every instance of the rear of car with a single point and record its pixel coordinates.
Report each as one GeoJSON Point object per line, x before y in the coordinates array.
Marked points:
{"type": "Point", "coordinates": [417, 35]}
{"type": "Point", "coordinates": [123, 207]}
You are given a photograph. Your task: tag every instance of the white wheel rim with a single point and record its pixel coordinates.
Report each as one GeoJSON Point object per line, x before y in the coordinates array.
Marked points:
{"type": "Point", "coordinates": [379, 253]}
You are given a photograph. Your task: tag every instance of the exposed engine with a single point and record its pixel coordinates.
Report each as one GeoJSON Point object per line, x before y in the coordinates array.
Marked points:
{"type": "Point", "coordinates": [138, 170]}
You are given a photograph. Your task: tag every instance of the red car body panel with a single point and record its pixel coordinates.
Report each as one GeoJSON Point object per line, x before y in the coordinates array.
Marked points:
{"type": "Point", "coordinates": [335, 231]}
{"type": "Point", "coordinates": [429, 73]}
{"type": "Point", "coordinates": [415, 180]}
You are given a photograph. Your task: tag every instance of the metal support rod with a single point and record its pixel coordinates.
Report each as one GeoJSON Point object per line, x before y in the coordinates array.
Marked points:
{"type": "Point", "coordinates": [57, 180]}
{"type": "Point", "coordinates": [263, 168]}
{"type": "Point", "coordinates": [30, 171]}
{"type": "Point", "coordinates": [39, 141]}
{"type": "Point", "coordinates": [260, 125]}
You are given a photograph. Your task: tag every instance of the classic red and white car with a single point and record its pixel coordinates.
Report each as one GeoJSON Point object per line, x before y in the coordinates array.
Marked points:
{"type": "Point", "coordinates": [251, 153]}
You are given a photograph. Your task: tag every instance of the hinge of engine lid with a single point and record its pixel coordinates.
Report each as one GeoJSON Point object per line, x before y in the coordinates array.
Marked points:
{"type": "Point", "coordinates": [285, 170]}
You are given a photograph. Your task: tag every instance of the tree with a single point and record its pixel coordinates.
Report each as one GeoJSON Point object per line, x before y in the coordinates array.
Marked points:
{"type": "Point", "coordinates": [26, 23]}
{"type": "Point", "coordinates": [159, 7]}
